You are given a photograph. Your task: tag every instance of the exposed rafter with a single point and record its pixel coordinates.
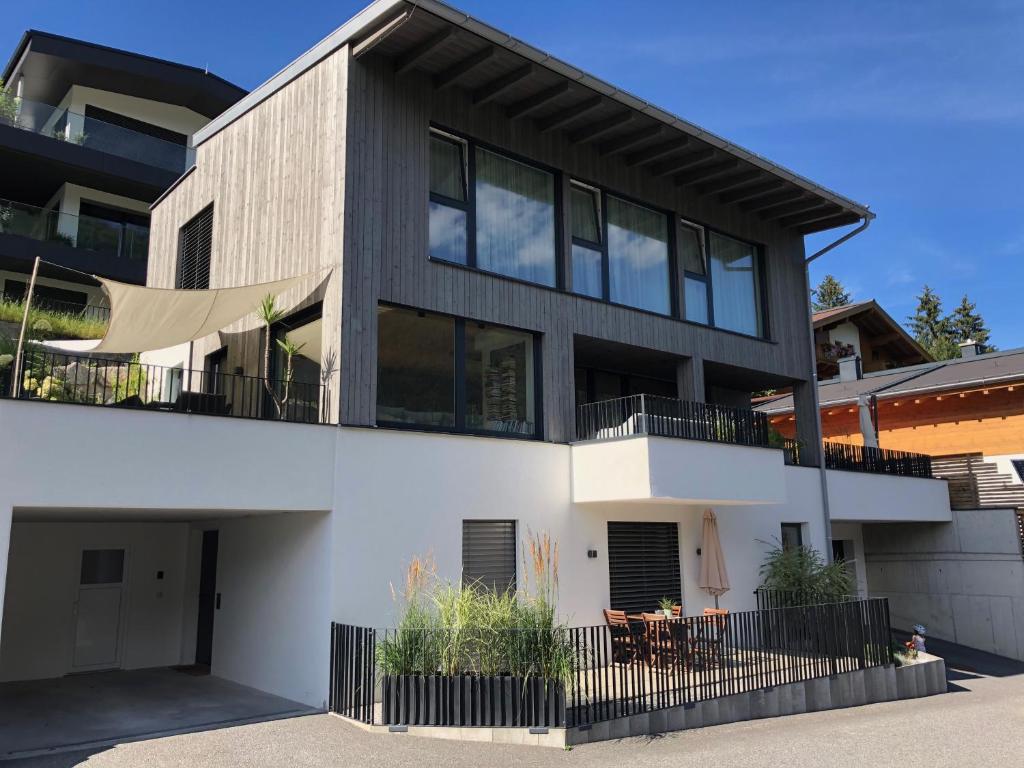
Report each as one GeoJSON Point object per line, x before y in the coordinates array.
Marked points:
{"type": "Point", "coordinates": [622, 143]}
{"type": "Point", "coordinates": [599, 128]}
{"type": "Point", "coordinates": [527, 105]}
{"type": "Point", "coordinates": [803, 204]}
{"type": "Point", "coordinates": [728, 182]}
{"type": "Point", "coordinates": [768, 200]}
{"type": "Point", "coordinates": [491, 90]}
{"type": "Point", "coordinates": [840, 220]}
{"type": "Point", "coordinates": [750, 191]}
{"type": "Point", "coordinates": [676, 164]}
{"type": "Point", "coordinates": [658, 150]}
{"type": "Point", "coordinates": [825, 211]}
{"type": "Point", "coordinates": [702, 172]}
{"type": "Point", "coordinates": [371, 41]}
{"type": "Point", "coordinates": [408, 59]}
{"type": "Point", "coordinates": [462, 68]}
{"type": "Point", "coordinates": [567, 115]}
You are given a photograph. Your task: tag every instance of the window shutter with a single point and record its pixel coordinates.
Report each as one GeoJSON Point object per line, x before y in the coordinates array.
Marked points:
{"type": "Point", "coordinates": [489, 553]}
{"type": "Point", "coordinates": [643, 565]}
{"type": "Point", "coordinates": [195, 245]}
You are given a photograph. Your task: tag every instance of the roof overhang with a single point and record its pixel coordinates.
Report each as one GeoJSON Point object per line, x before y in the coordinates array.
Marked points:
{"type": "Point", "coordinates": [456, 50]}
{"type": "Point", "coordinates": [51, 64]}
{"type": "Point", "coordinates": [879, 326]}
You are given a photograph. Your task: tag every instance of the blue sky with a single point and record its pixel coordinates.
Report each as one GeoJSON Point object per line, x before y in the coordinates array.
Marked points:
{"type": "Point", "coordinates": [916, 109]}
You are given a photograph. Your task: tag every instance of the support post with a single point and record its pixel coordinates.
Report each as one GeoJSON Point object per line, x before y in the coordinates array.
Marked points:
{"type": "Point", "coordinates": [16, 368]}
{"type": "Point", "coordinates": [690, 379]}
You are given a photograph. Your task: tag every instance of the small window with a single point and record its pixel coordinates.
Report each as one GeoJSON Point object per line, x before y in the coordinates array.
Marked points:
{"type": "Point", "coordinates": [448, 198]}
{"type": "Point", "coordinates": [695, 281]}
{"type": "Point", "coordinates": [102, 566]}
{"type": "Point", "coordinates": [489, 554]}
{"type": "Point", "coordinates": [587, 253]}
{"type": "Point", "coordinates": [792, 535]}
{"type": "Point", "coordinates": [586, 213]}
{"type": "Point", "coordinates": [195, 242]}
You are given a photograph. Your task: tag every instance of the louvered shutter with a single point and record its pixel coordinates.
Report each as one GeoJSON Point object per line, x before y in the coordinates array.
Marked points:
{"type": "Point", "coordinates": [195, 245]}
{"type": "Point", "coordinates": [489, 553]}
{"type": "Point", "coordinates": [643, 565]}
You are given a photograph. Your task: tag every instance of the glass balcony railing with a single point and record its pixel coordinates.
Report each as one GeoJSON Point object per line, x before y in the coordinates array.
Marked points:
{"type": "Point", "coordinates": [116, 239]}
{"type": "Point", "coordinates": [65, 125]}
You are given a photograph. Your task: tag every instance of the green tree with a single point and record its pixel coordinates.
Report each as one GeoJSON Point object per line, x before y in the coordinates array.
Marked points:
{"type": "Point", "coordinates": [829, 293]}
{"type": "Point", "coordinates": [931, 328]}
{"type": "Point", "coordinates": [967, 324]}
{"type": "Point", "coordinates": [8, 105]}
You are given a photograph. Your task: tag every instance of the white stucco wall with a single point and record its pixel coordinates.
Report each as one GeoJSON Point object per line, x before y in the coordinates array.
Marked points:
{"type": "Point", "coordinates": [854, 534]}
{"type": "Point", "coordinates": [867, 497]}
{"type": "Point", "coordinates": [42, 588]}
{"type": "Point", "coordinates": [846, 333]}
{"type": "Point", "coordinates": [272, 630]}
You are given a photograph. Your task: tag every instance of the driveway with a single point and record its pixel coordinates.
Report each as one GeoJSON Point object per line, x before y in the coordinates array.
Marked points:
{"type": "Point", "coordinates": [980, 723]}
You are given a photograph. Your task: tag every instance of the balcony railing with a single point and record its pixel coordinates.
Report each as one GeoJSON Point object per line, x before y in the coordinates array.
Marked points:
{"type": "Point", "coordinates": [65, 125]}
{"type": "Point", "coordinates": [857, 458]}
{"type": "Point", "coordinates": [82, 380]}
{"type": "Point", "coordinates": [668, 417]}
{"type": "Point", "coordinates": [111, 238]}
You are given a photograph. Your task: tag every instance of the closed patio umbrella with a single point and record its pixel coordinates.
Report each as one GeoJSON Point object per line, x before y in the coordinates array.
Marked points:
{"type": "Point", "coordinates": [714, 579]}
{"type": "Point", "coordinates": [867, 426]}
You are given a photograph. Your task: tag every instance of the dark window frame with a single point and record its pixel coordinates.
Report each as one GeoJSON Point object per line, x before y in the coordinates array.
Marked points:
{"type": "Point", "coordinates": [798, 527]}
{"type": "Point", "coordinates": [459, 370]}
{"type": "Point", "coordinates": [469, 523]}
{"type": "Point", "coordinates": [471, 145]}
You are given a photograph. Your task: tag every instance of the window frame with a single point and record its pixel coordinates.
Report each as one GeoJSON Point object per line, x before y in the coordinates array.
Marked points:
{"type": "Point", "coordinates": [181, 250]}
{"type": "Point", "coordinates": [798, 527]}
{"type": "Point", "coordinates": [470, 145]}
{"type": "Point", "coordinates": [469, 523]}
{"type": "Point", "coordinates": [459, 370]}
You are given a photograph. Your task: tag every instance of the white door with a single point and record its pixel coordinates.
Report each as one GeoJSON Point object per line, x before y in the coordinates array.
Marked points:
{"type": "Point", "coordinates": [98, 609]}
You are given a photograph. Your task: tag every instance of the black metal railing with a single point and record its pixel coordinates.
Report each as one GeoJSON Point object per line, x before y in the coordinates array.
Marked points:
{"type": "Point", "coordinates": [84, 380]}
{"type": "Point", "coordinates": [584, 675]}
{"type": "Point", "coordinates": [669, 417]}
{"type": "Point", "coordinates": [857, 458]}
{"type": "Point", "coordinates": [784, 598]}
{"type": "Point", "coordinates": [791, 452]}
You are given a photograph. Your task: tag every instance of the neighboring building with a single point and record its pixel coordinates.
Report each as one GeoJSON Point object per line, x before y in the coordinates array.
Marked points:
{"type": "Point", "coordinates": [549, 306]}
{"type": "Point", "coordinates": [91, 137]}
{"type": "Point", "coordinates": [964, 580]}
{"type": "Point", "coordinates": [866, 331]}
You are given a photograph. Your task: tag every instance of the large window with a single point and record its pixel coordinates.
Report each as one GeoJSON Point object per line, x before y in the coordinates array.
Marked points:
{"type": "Point", "coordinates": [195, 242]}
{"type": "Point", "coordinates": [489, 554]}
{"type": "Point", "coordinates": [722, 280]}
{"type": "Point", "coordinates": [512, 205]}
{"type": "Point", "coordinates": [638, 257]}
{"type": "Point", "coordinates": [439, 372]}
{"type": "Point", "coordinates": [643, 565]}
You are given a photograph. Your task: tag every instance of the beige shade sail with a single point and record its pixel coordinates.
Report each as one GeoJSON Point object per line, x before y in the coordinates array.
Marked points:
{"type": "Point", "coordinates": [143, 319]}
{"type": "Point", "coordinates": [714, 579]}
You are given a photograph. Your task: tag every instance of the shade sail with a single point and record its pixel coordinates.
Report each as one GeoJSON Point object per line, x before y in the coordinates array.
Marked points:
{"type": "Point", "coordinates": [143, 319]}
{"type": "Point", "coordinates": [714, 579]}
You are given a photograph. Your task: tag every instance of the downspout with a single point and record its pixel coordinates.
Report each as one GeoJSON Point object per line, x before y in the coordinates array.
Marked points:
{"type": "Point", "coordinates": [822, 471]}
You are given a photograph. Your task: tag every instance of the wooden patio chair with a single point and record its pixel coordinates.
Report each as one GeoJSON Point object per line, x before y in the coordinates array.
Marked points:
{"type": "Point", "coordinates": [677, 611]}
{"type": "Point", "coordinates": [625, 637]}
{"type": "Point", "coordinates": [712, 634]}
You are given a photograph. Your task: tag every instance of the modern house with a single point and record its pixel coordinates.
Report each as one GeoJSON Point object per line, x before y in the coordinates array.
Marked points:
{"type": "Point", "coordinates": [536, 302]}
{"type": "Point", "coordinates": [90, 136]}
{"type": "Point", "coordinates": [965, 579]}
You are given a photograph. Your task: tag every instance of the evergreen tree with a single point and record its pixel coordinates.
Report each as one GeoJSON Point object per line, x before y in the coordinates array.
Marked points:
{"type": "Point", "coordinates": [830, 293]}
{"type": "Point", "coordinates": [930, 328]}
{"type": "Point", "coordinates": [967, 324]}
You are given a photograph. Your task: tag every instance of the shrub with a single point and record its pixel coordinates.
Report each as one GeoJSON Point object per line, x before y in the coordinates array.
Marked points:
{"type": "Point", "coordinates": [802, 570]}
{"type": "Point", "coordinates": [48, 324]}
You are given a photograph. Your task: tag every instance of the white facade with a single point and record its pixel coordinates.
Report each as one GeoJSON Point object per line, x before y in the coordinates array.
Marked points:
{"type": "Point", "coordinates": [315, 524]}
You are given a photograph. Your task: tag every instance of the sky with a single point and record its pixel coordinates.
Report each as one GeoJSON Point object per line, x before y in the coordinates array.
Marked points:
{"type": "Point", "coordinates": [915, 109]}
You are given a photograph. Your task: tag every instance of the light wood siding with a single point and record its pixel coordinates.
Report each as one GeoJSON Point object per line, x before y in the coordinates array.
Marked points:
{"type": "Point", "coordinates": [386, 249]}
{"type": "Point", "coordinates": [276, 180]}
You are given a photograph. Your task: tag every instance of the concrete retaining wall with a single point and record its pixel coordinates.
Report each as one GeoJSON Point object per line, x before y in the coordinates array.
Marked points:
{"type": "Point", "coordinates": [925, 677]}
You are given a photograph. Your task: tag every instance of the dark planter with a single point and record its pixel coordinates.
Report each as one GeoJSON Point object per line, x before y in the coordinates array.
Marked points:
{"type": "Point", "coordinates": [470, 700]}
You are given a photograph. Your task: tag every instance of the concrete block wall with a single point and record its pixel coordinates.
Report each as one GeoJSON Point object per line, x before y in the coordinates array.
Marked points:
{"type": "Point", "coordinates": [963, 580]}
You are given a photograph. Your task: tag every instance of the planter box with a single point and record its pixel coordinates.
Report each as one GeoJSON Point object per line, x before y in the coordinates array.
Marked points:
{"type": "Point", "coordinates": [470, 700]}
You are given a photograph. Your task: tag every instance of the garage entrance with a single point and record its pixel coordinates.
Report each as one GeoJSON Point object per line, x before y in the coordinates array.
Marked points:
{"type": "Point", "coordinates": [122, 624]}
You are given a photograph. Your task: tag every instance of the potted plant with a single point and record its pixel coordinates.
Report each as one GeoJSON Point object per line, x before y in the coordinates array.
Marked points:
{"type": "Point", "coordinates": [666, 604]}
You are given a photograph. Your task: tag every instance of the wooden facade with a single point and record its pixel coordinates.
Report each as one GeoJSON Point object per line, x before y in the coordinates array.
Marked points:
{"type": "Point", "coordinates": [332, 169]}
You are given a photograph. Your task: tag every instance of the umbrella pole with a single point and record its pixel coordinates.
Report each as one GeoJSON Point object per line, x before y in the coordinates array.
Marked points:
{"type": "Point", "coordinates": [716, 601]}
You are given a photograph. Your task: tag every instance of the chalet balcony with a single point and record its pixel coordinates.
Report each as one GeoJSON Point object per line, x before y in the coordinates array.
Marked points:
{"type": "Point", "coordinates": [658, 449]}
{"type": "Point", "coordinates": [49, 377]}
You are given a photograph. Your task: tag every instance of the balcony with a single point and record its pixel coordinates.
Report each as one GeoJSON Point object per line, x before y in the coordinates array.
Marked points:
{"type": "Point", "coordinates": [881, 461]}
{"type": "Point", "coordinates": [658, 449]}
{"type": "Point", "coordinates": [126, 384]}
{"type": "Point", "coordinates": [67, 126]}
{"type": "Point", "coordinates": [88, 243]}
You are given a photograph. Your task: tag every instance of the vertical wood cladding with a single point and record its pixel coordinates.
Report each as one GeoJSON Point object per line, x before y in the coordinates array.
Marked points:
{"type": "Point", "coordinates": [386, 229]}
